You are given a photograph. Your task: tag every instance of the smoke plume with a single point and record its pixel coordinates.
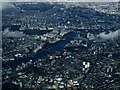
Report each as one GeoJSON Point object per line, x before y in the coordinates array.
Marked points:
{"type": "Point", "coordinates": [111, 35]}
{"type": "Point", "coordinates": [15, 34]}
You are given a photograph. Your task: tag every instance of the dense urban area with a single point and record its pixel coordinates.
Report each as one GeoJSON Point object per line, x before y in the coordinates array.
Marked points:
{"type": "Point", "coordinates": [60, 46]}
